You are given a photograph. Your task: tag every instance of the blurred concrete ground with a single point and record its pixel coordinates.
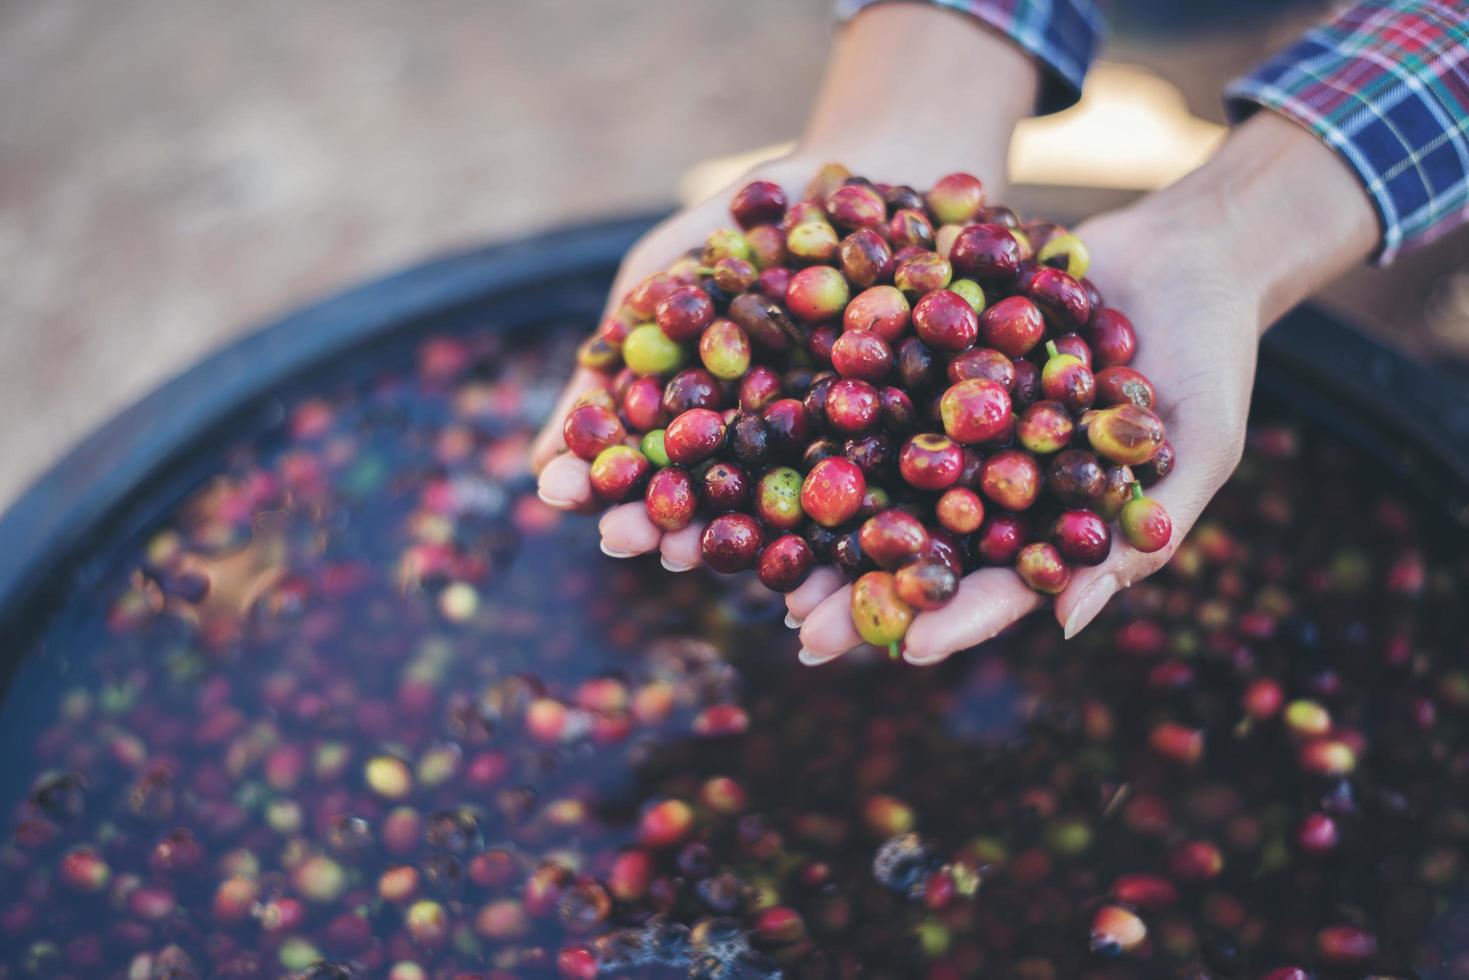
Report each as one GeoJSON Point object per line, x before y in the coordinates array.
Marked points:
{"type": "Point", "coordinates": [173, 172]}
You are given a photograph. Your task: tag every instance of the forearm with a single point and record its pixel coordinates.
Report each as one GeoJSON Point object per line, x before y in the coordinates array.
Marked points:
{"type": "Point", "coordinates": [1280, 211]}
{"type": "Point", "coordinates": [914, 91]}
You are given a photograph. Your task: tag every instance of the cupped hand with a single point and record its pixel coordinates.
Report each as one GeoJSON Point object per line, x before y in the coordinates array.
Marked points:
{"type": "Point", "coordinates": [1197, 326]}
{"type": "Point", "coordinates": [564, 478]}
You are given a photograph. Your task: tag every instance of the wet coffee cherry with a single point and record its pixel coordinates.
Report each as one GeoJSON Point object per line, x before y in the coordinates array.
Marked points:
{"type": "Point", "coordinates": [758, 202]}
{"type": "Point", "coordinates": [589, 429]}
{"type": "Point", "coordinates": [975, 411]}
{"type": "Point", "coordinates": [1081, 537]}
{"type": "Point", "coordinates": [910, 226]}
{"type": "Point", "coordinates": [1118, 384]}
{"type": "Point", "coordinates": [923, 273]}
{"type": "Point", "coordinates": [1066, 379]}
{"type": "Point", "coordinates": [892, 538]}
{"type": "Point", "coordinates": [693, 388]}
{"type": "Point", "coordinates": [1067, 253]}
{"type": "Point", "coordinates": [747, 439]}
{"type": "Point", "coordinates": [1125, 433]}
{"type": "Point", "coordinates": [863, 355]}
{"type": "Point", "coordinates": [832, 492]}
{"type": "Point", "coordinates": [880, 615]}
{"type": "Point", "coordinates": [1044, 428]}
{"type": "Point", "coordinates": [724, 487]}
{"type": "Point", "coordinates": [1061, 299]}
{"type": "Point", "coordinates": [897, 413]}
{"type": "Point", "coordinates": [819, 450]}
{"type": "Point", "coordinates": [865, 258]}
{"type": "Point", "coordinates": [852, 407]}
{"type": "Point", "coordinates": [784, 563]}
{"type": "Point", "coordinates": [684, 313]}
{"type": "Point", "coordinates": [884, 310]}
{"type": "Point", "coordinates": [725, 350]}
{"type": "Point", "coordinates": [960, 510]}
{"type": "Point", "coordinates": [1013, 326]}
{"type": "Point", "coordinates": [1144, 522]}
{"type": "Point", "coordinates": [983, 362]}
{"type": "Point", "coordinates": [854, 206]}
{"type": "Point", "coordinates": [671, 499]}
{"type": "Point", "coordinates": [764, 321]}
{"type": "Point", "coordinates": [778, 499]}
{"type": "Point", "coordinates": [1071, 343]}
{"type": "Point", "coordinates": [1041, 567]}
{"type": "Point", "coordinates": [1158, 467]}
{"type": "Point", "coordinates": [1027, 387]}
{"type": "Point", "coordinates": [812, 242]}
{"type": "Point", "coordinates": [955, 198]}
{"type": "Point", "coordinates": [926, 583]}
{"type": "Point", "coordinates": [642, 405]}
{"type": "Point", "coordinates": [731, 542]}
{"type": "Point", "coordinates": [619, 473]}
{"type": "Point", "coordinates": [875, 453]}
{"type": "Point", "coordinates": [1076, 477]}
{"type": "Point", "coordinates": [1116, 491]}
{"type": "Point", "coordinates": [918, 366]}
{"type": "Point", "coordinates": [693, 436]}
{"type": "Point", "coordinates": [987, 253]}
{"type": "Point", "coordinates": [1011, 479]}
{"type": "Point", "coordinates": [759, 388]}
{"type": "Point", "coordinates": [945, 321]}
{"type": "Point", "coordinates": [1111, 338]}
{"type": "Point", "coordinates": [930, 462]}
{"type": "Point", "coordinates": [787, 421]}
{"type": "Point", "coordinates": [817, 293]}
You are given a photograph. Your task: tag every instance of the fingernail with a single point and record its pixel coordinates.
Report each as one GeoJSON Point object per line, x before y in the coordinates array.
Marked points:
{"type": "Point", "coordinates": [794, 621]}
{"type": "Point", "coordinates": [554, 502]}
{"type": "Point", "coordinates": [1090, 603]}
{"type": "Point", "coordinates": [925, 660]}
{"type": "Point", "coordinates": [611, 553]}
{"type": "Point", "coordinates": [813, 659]}
{"type": "Point", "coordinates": [673, 567]}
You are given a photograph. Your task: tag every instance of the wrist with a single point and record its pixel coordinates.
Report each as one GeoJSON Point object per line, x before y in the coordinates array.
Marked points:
{"type": "Point", "coordinates": [1278, 211]}
{"type": "Point", "coordinates": [913, 92]}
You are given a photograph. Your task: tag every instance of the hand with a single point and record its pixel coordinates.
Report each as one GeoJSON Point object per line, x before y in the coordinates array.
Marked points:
{"type": "Point", "coordinates": [1201, 269]}
{"type": "Point", "coordinates": [880, 112]}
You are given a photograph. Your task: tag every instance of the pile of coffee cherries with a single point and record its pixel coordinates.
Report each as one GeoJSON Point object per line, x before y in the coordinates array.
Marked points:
{"type": "Point", "coordinates": [906, 386]}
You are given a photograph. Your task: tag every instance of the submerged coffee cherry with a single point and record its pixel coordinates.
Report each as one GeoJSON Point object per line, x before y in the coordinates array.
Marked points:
{"type": "Point", "coordinates": [731, 543]}
{"type": "Point", "coordinates": [1144, 522]}
{"type": "Point", "coordinates": [784, 563]}
{"type": "Point", "coordinates": [880, 615]}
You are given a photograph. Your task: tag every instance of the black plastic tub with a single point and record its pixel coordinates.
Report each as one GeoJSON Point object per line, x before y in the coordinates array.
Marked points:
{"type": "Point", "coordinates": [74, 541]}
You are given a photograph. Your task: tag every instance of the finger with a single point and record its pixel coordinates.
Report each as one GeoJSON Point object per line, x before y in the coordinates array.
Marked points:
{"type": "Point", "coordinates": [987, 601]}
{"type": "Point", "coordinates": [1184, 494]}
{"type": "Point", "coordinates": [821, 583]}
{"type": "Point", "coordinates": [828, 632]}
{"type": "Point", "coordinates": [566, 483]}
{"type": "Point", "coordinates": [549, 440]}
{"type": "Point", "coordinates": [681, 550]}
{"type": "Point", "coordinates": [627, 531]}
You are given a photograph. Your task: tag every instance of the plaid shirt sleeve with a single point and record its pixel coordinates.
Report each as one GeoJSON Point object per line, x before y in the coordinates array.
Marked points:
{"type": "Point", "coordinates": [1386, 85]}
{"type": "Point", "coordinates": [1060, 34]}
